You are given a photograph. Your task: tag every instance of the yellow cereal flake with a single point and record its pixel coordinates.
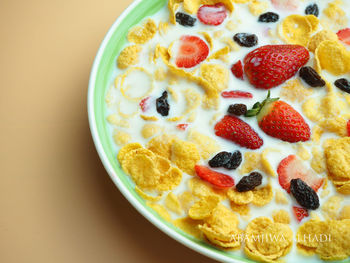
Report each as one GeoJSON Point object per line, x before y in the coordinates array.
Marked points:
{"type": "Point", "coordinates": [193, 100]}
{"type": "Point", "coordinates": [185, 155]}
{"type": "Point", "coordinates": [150, 129]}
{"type": "Point", "coordinates": [316, 134]}
{"type": "Point", "coordinates": [231, 44]}
{"type": "Point", "coordinates": [173, 5]}
{"type": "Point", "coordinates": [266, 250]}
{"type": "Point", "coordinates": [142, 34]}
{"type": "Point", "coordinates": [231, 25]}
{"type": "Point", "coordinates": [240, 198]}
{"type": "Point", "coordinates": [302, 152]}
{"type": "Point", "coordinates": [333, 57]}
{"type": "Point", "coordinates": [331, 207]}
{"type": "Point", "coordinates": [173, 94]}
{"type": "Point", "coordinates": [126, 149]}
{"type": "Point", "coordinates": [173, 204]}
{"type": "Point", "coordinates": [314, 22]}
{"type": "Point", "coordinates": [324, 193]}
{"type": "Point", "coordinates": [294, 90]}
{"type": "Point", "coordinates": [318, 162]}
{"type": "Point", "coordinates": [192, 117]}
{"type": "Point", "coordinates": [344, 213]}
{"type": "Point", "coordinates": [129, 56]}
{"type": "Point", "coordinates": [161, 211]}
{"type": "Point", "coordinates": [216, 75]}
{"type": "Point", "coordinates": [243, 210]}
{"type": "Point", "coordinates": [160, 74]}
{"type": "Point", "coordinates": [186, 199]}
{"type": "Point", "coordinates": [218, 34]}
{"type": "Point", "coordinates": [266, 165]}
{"type": "Point", "coordinates": [175, 119]}
{"type": "Point", "coordinates": [334, 16]}
{"type": "Point", "coordinates": [296, 29]}
{"type": "Point", "coordinates": [281, 216]}
{"type": "Point", "coordinates": [146, 196]}
{"type": "Point", "coordinates": [258, 7]}
{"type": "Point", "coordinates": [334, 233]}
{"type": "Point", "coordinates": [208, 38]}
{"type": "Point", "coordinates": [149, 118]}
{"type": "Point", "coordinates": [163, 27]}
{"type": "Point", "coordinates": [252, 161]}
{"type": "Point", "coordinates": [262, 196]}
{"type": "Point", "coordinates": [321, 36]}
{"type": "Point", "coordinates": [115, 120]}
{"type": "Point", "coordinates": [311, 109]}
{"type": "Point", "coordinates": [170, 180]}
{"type": "Point", "coordinates": [204, 207]}
{"type": "Point", "coordinates": [220, 54]}
{"type": "Point", "coordinates": [344, 189]}
{"type": "Point", "coordinates": [221, 228]}
{"type": "Point", "coordinates": [121, 137]}
{"type": "Point", "coordinates": [189, 226]}
{"type": "Point", "coordinates": [206, 145]}
{"type": "Point", "coordinates": [161, 145]}
{"type": "Point", "coordinates": [280, 197]}
{"type": "Point", "coordinates": [200, 189]}
{"type": "Point", "coordinates": [335, 125]}
{"type": "Point", "coordinates": [337, 159]}
{"type": "Point", "coordinates": [126, 115]}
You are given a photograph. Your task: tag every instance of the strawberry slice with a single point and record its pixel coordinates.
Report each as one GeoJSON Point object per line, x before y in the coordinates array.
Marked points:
{"type": "Point", "coordinates": [237, 70]}
{"type": "Point", "coordinates": [182, 126]}
{"type": "Point", "coordinates": [236, 94]}
{"type": "Point", "coordinates": [292, 167]}
{"type": "Point", "coordinates": [212, 14]}
{"type": "Point", "coordinates": [238, 131]}
{"type": "Point", "coordinates": [144, 104]}
{"type": "Point", "coordinates": [300, 213]}
{"type": "Point", "coordinates": [348, 127]}
{"type": "Point", "coordinates": [217, 179]}
{"type": "Point", "coordinates": [344, 35]}
{"type": "Point", "coordinates": [271, 65]}
{"type": "Point", "coordinates": [192, 51]}
{"type": "Point", "coordinates": [285, 5]}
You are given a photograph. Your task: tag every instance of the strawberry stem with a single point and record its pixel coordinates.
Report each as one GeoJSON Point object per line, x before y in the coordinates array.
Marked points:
{"type": "Point", "coordinates": [257, 107]}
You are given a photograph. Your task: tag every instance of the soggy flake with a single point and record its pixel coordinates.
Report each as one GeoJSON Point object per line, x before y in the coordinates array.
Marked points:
{"type": "Point", "coordinates": [147, 196]}
{"type": "Point", "coordinates": [160, 74]}
{"type": "Point", "coordinates": [173, 203]}
{"type": "Point", "coordinates": [311, 110]}
{"type": "Point", "coordinates": [266, 249]}
{"type": "Point", "coordinates": [294, 91]}
{"type": "Point", "coordinates": [243, 210]}
{"type": "Point", "coordinates": [318, 162]}
{"type": "Point", "coordinates": [200, 189]}
{"type": "Point", "coordinates": [281, 198]}
{"type": "Point", "coordinates": [203, 208]}
{"type": "Point", "coordinates": [142, 34]}
{"type": "Point", "coordinates": [185, 155]}
{"type": "Point", "coordinates": [334, 17]}
{"type": "Point", "coordinates": [173, 94]}
{"type": "Point", "coordinates": [148, 118]}
{"type": "Point", "coordinates": [163, 28]}
{"type": "Point", "coordinates": [231, 25]}
{"type": "Point", "coordinates": [230, 43]}
{"type": "Point", "coordinates": [316, 134]}
{"type": "Point", "coordinates": [186, 199]}
{"type": "Point", "coordinates": [337, 125]}
{"type": "Point", "coordinates": [220, 54]}
{"type": "Point", "coordinates": [331, 207]}
{"type": "Point", "coordinates": [208, 38]}
{"type": "Point", "coordinates": [321, 36]}
{"type": "Point", "coordinates": [302, 152]}
{"type": "Point", "coordinates": [161, 211]}
{"type": "Point", "coordinates": [115, 120]}
{"type": "Point", "coordinates": [258, 7]}
{"type": "Point", "coordinates": [161, 145]}
{"type": "Point", "coordinates": [333, 57]}
{"type": "Point", "coordinates": [262, 196]}
{"type": "Point", "coordinates": [240, 198]}
{"type": "Point", "coordinates": [129, 56]}
{"type": "Point", "coordinates": [150, 129]}
{"type": "Point", "coordinates": [252, 161]}
{"type": "Point", "coordinates": [205, 144]}
{"type": "Point", "coordinates": [121, 137]}
{"type": "Point", "coordinates": [189, 226]}
{"type": "Point", "coordinates": [344, 213]}
{"type": "Point", "coordinates": [281, 216]}
{"type": "Point", "coordinates": [266, 165]}
{"type": "Point", "coordinates": [193, 100]}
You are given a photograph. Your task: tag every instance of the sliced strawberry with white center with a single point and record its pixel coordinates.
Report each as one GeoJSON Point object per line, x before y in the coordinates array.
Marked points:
{"type": "Point", "coordinates": [300, 213]}
{"type": "Point", "coordinates": [285, 5]}
{"type": "Point", "coordinates": [344, 35]}
{"type": "Point", "coordinates": [217, 179]}
{"type": "Point", "coordinates": [212, 14]}
{"type": "Point", "coordinates": [192, 51]}
{"type": "Point", "coordinates": [292, 167]}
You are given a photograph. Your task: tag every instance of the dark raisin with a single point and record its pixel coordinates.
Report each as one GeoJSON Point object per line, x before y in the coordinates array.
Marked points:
{"type": "Point", "coordinates": [343, 84]}
{"type": "Point", "coordinates": [235, 161]}
{"type": "Point", "coordinates": [304, 194]}
{"type": "Point", "coordinates": [245, 39]}
{"type": "Point", "coordinates": [220, 159]}
{"type": "Point", "coordinates": [237, 109]}
{"type": "Point", "coordinates": [249, 182]}
{"type": "Point", "coordinates": [269, 17]}
{"type": "Point", "coordinates": [312, 10]}
{"type": "Point", "coordinates": [185, 19]}
{"type": "Point", "coordinates": [162, 104]}
{"type": "Point", "coordinates": [311, 77]}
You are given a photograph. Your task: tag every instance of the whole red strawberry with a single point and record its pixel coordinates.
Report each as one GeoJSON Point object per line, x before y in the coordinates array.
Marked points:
{"type": "Point", "coordinates": [280, 120]}
{"type": "Point", "coordinates": [269, 66]}
{"type": "Point", "coordinates": [238, 131]}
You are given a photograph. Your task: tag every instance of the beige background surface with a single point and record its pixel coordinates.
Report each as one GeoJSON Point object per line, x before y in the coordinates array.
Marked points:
{"type": "Point", "coordinates": [57, 203]}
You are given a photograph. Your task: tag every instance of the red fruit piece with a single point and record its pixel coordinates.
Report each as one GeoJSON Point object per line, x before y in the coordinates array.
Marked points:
{"type": "Point", "coordinates": [237, 70]}
{"type": "Point", "coordinates": [236, 94]}
{"type": "Point", "coordinates": [287, 5]}
{"type": "Point", "coordinates": [269, 66]}
{"type": "Point", "coordinates": [238, 131]}
{"type": "Point", "coordinates": [212, 14]}
{"type": "Point", "coordinates": [192, 51]}
{"type": "Point", "coordinates": [344, 35]}
{"type": "Point", "coordinates": [182, 126]}
{"type": "Point", "coordinates": [300, 213]}
{"type": "Point", "coordinates": [217, 179]}
{"type": "Point", "coordinates": [144, 104]}
{"type": "Point", "coordinates": [348, 127]}
{"type": "Point", "coordinates": [292, 167]}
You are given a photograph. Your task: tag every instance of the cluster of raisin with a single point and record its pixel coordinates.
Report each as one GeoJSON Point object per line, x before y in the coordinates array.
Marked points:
{"type": "Point", "coordinates": [227, 160]}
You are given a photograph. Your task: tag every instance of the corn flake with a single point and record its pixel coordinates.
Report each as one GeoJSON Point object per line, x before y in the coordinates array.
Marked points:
{"type": "Point", "coordinates": [216, 75]}
{"type": "Point", "coordinates": [240, 198]}
{"type": "Point", "coordinates": [337, 154]}
{"type": "Point", "coordinates": [126, 149]}
{"type": "Point", "coordinates": [161, 145]}
{"type": "Point", "coordinates": [149, 130]}
{"type": "Point", "coordinates": [161, 211]}
{"type": "Point", "coordinates": [296, 29]}
{"type": "Point", "coordinates": [185, 155]}
{"type": "Point", "coordinates": [200, 189]}
{"type": "Point", "coordinates": [121, 138]}
{"type": "Point", "coordinates": [170, 180]}
{"type": "Point", "coordinates": [243, 210]}
{"type": "Point", "coordinates": [115, 120]}
{"type": "Point", "coordinates": [262, 196]}
{"type": "Point", "coordinates": [220, 54]}
{"type": "Point", "coordinates": [280, 198]}
{"type": "Point", "coordinates": [206, 145]}
{"type": "Point", "coordinates": [318, 162]}
{"type": "Point", "coordinates": [173, 204]}
{"type": "Point", "coordinates": [331, 207]}
{"type": "Point", "coordinates": [258, 7]}
{"type": "Point", "coordinates": [281, 216]}
{"type": "Point", "coordinates": [294, 90]}
{"type": "Point", "coordinates": [203, 208]}
{"type": "Point", "coordinates": [146, 196]}
{"type": "Point", "coordinates": [344, 213]}
{"type": "Point", "coordinates": [129, 56]}
{"type": "Point", "coordinates": [186, 199]}
{"type": "Point", "coordinates": [189, 226]}
{"type": "Point", "coordinates": [142, 34]}
{"type": "Point", "coordinates": [321, 36]}
{"type": "Point", "coordinates": [148, 118]}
